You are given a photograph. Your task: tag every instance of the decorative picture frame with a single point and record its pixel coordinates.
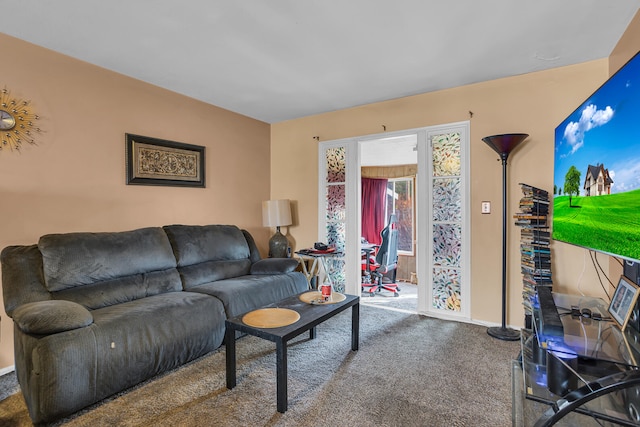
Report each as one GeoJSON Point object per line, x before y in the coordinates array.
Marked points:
{"type": "Point", "coordinates": [153, 161]}
{"type": "Point", "coordinates": [623, 301]}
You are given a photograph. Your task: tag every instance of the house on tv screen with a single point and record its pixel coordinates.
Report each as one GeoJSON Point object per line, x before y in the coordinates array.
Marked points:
{"type": "Point", "coordinates": [597, 181]}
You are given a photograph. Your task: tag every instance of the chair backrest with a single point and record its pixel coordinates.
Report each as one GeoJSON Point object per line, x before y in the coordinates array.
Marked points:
{"type": "Point", "coordinates": [387, 256]}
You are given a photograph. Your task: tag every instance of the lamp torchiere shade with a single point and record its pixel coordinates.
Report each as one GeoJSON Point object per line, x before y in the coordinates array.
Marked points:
{"type": "Point", "coordinates": [503, 145]}
{"type": "Point", "coordinates": [276, 213]}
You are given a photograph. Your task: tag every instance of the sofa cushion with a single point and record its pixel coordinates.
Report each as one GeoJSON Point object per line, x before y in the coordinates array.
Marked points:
{"type": "Point", "coordinates": [210, 271]}
{"type": "Point", "coordinates": [77, 259]}
{"type": "Point", "coordinates": [274, 266]}
{"type": "Point", "coordinates": [206, 253]}
{"type": "Point", "coordinates": [141, 338]}
{"type": "Point", "coordinates": [51, 317]}
{"type": "Point", "coordinates": [194, 244]}
{"type": "Point", "coordinates": [122, 289]}
{"type": "Point", "coordinates": [242, 294]}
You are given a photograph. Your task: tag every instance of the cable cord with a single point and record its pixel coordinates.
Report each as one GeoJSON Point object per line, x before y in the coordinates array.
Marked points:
{"type": "Point", "coordinates": [584, 267]}
{"type": "Point", "coordinates": [596, 265]}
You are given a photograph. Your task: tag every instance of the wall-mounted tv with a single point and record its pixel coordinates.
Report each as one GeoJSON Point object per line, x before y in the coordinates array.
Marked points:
{"type": "Point", "coordinates": [596, 201]}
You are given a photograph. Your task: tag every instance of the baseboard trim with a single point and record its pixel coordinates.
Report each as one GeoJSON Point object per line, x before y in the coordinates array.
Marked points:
{"type": "Point", "coordinates": [7, 370]}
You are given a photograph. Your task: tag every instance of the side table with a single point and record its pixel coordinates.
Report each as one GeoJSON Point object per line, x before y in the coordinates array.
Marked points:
{"type": "Point", "coordinates": [317, 259]}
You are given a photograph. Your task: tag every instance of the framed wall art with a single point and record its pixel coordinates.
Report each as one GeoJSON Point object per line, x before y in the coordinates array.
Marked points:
{"type": "Point", "coordinates": [623, 301]}
{"type": "Point", "coordinates": [152, 161]}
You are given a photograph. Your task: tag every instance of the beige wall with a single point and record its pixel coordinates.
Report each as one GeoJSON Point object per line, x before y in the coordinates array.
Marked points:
{"type": "Point", "coordinates": [533, 103]}
{"type": "Point", "coordinates": [74, 180]}
{"type": "Point", "coordinates": [627, 47]}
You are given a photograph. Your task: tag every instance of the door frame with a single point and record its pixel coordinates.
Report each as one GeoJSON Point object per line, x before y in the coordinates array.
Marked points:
{"type": "Point", "coordinates": [424, 235]}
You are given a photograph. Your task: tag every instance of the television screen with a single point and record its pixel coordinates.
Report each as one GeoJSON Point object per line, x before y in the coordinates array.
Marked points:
{"type": "Point", "coordinates": [596, 201]}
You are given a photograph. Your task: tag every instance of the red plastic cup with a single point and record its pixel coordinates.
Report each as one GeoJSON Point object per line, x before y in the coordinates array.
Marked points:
{"type": "Point", "coordinates": [326, 292]}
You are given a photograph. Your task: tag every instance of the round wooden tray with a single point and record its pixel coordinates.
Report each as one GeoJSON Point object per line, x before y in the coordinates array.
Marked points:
{"type": "Point", "coordinates": [315, 298]}
{"type": "Point", "coordinates": [271, 317]}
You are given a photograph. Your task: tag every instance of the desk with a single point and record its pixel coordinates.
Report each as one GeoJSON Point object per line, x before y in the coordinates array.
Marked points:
{"type": "Point", "coordinates": [602, 376]}
{"type": "Point", "coordinates": [317, 259]}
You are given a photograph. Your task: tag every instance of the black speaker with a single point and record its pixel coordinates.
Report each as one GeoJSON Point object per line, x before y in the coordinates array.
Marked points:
{"type": "Point", "coordinates": [631, 270]}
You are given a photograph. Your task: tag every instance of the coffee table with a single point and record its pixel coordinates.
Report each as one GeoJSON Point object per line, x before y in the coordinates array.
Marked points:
{"type": "Point", "coordinates": [311, 315]}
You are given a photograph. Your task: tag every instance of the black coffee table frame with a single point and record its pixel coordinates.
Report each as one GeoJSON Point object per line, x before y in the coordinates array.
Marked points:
{"type": "Point", "coordinates": [310, 317]}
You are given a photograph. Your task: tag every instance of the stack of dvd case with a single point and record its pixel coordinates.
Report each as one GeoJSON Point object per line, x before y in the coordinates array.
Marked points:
{"type": "Point", "coordinates": [534, 244]}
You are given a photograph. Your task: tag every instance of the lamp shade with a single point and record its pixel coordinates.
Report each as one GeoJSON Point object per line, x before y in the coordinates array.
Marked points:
{"type": "Point", "coordinates": [504, 144]}
{"type": "Point", "coordinates": [276, 213]}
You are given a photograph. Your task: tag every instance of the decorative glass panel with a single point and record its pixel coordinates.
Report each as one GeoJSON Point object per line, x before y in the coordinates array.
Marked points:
{"type": "Point", "coordinates": [336, 164]}
{"type": "Point", "coordinates": [446, 154]}
{"type": "Point", "coordinates": [446, 289]}
{"type": "Point", "coordinates": [447, 199]}
{"type": "Point", "coordinates": [447, 250]}
{"type": "Point", "coordinates": [336, 214]}
{"type": "Point", "coordinates": [336, 235]}
{"type": "Point", "coordinates": [447, 221]}
{"type": "Point", "coordinates": [337, 270]}
{"type": "Point", "coordinates": [336, 203]}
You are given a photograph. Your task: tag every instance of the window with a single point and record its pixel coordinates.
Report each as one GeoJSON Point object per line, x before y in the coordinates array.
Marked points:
{"type": "Point", "coordinates": [400, 201]}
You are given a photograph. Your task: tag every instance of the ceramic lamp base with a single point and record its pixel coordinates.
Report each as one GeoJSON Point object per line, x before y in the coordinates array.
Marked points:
{"type": "Point", "coordinates": [278, 245]}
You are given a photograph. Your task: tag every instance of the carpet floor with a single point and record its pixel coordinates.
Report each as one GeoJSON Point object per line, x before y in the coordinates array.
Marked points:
{"type": "Point", "coordinates": [410, 370]}
{"type": "Point", "coordinates": [406, 300]}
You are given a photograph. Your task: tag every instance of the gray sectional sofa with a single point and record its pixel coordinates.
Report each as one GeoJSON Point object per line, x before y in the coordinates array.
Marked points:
{"type": "Point", "coordinates": [96, 313]}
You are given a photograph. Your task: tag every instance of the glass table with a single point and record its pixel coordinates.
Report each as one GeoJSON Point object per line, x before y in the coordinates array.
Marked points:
{"type": "Point", "coordinates": [586, 376]}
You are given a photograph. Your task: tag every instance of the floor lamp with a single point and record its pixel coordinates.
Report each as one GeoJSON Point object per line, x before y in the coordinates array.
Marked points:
{"type": "Point", "coordinates": [503, 145]}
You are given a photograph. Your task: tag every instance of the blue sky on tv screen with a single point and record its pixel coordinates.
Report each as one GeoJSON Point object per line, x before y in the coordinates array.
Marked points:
{"type": "Point", "coordinates": [605, 130]}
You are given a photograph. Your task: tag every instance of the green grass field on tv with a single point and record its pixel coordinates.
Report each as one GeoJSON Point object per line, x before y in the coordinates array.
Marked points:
{"type": "Point", "coordinates": [608, 223]}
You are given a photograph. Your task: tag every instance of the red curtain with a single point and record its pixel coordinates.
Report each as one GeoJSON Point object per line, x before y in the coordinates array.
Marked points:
{"type": "Point", "coordinates": [374, 192]}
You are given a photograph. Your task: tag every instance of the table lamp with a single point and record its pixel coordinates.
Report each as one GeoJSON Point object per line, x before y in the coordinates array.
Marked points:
{"type": "Point", "coordinates": [276, 213]}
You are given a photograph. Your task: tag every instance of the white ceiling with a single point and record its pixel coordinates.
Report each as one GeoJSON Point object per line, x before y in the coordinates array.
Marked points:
{"type": "Point", "coordinates": [275, 60]}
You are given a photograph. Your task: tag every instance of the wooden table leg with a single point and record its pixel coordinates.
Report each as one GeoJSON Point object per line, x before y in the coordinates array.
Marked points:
{"type": "Point", "coordinates": [281, 375]}
{"type": "Point", "coordinates": [230, 354]}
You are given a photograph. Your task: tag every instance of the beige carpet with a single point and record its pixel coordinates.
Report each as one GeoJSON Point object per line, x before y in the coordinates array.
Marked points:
{"type": "Point", "coordinates": [410, 371]}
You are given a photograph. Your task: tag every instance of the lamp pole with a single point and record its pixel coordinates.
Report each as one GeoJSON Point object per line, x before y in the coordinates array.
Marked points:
{"type": "Point", "coordinates": [503, 145]}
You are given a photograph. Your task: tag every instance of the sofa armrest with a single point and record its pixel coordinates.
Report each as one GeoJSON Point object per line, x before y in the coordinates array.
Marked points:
{"type": "Point", "coordinates": [274, 266]}
{"type": "Point", "coordinates": [51, 317]}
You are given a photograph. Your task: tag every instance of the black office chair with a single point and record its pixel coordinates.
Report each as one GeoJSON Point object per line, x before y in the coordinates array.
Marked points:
{"type": "Point", "coordinates": [383, 270]}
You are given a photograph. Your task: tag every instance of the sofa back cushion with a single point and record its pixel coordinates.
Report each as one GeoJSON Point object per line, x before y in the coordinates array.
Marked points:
{"type": "Point", "coordinates": [101, 269]}
{"type": "Point", "coordinates": [206, 253]}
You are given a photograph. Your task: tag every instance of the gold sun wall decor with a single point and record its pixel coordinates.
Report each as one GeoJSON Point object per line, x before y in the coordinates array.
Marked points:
{"type": "Point", "coordinates": [18, 122]}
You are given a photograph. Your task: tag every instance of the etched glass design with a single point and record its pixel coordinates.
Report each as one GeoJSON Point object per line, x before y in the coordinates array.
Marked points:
{"type": "Point", "coordinates": [336, 203]}
{"type": "Point", "coordinates": [335, 235]}
{"type": "Point", "coordinates": [446, 154]}
{"type": "Point", "coordinates": [336, 164]}
{"type": "Point", "coordinates": [447, 221]}
{"type": "Point", "coordinates": [447, 245]}
{"type": "Point", "coordinates": [336, 267]}
{"type": "Point", "coordinates": [446, 289]}
{"type": "Point", "coordinates": [447, 199]}
{"type": "Point", "coordinates": [336, 214]}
